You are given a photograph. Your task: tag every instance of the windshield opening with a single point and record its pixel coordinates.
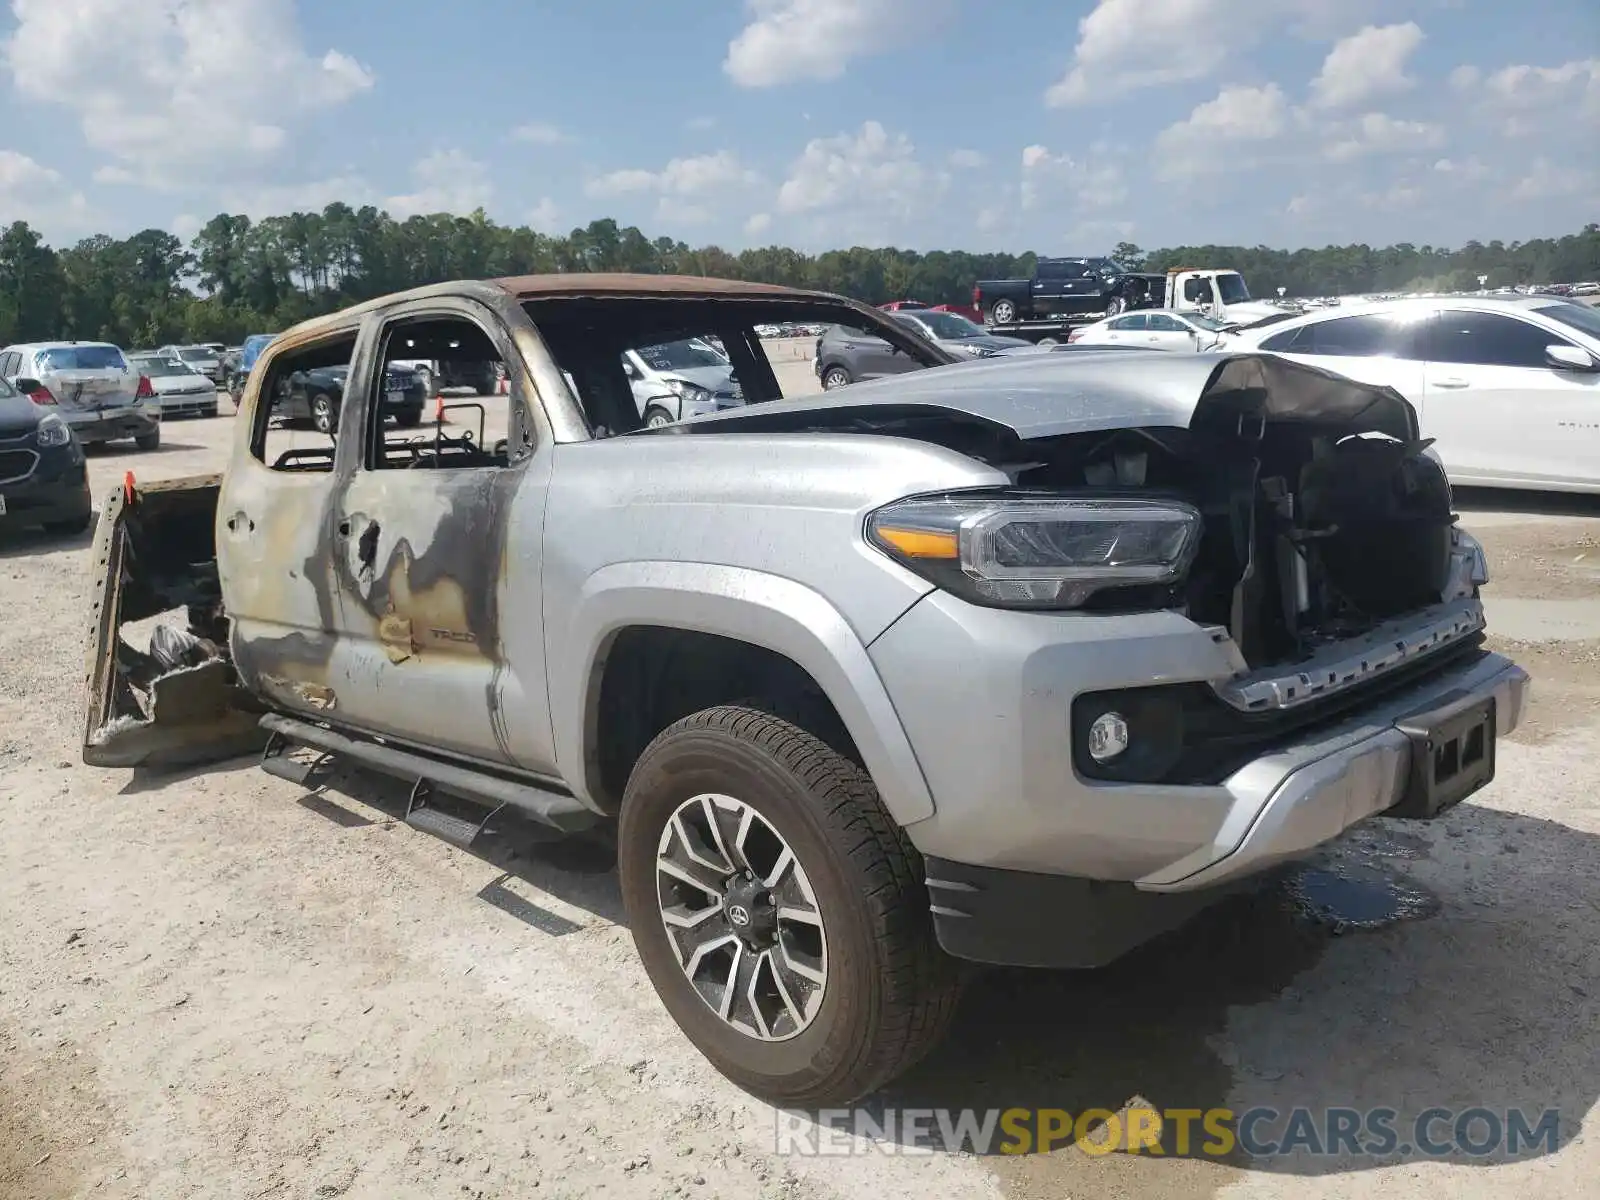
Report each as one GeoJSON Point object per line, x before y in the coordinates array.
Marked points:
{"type": "Point", "coordinates": [1231, 289]}
{"type": "Point", "coordinates": [1574, 316]}
{"type": "Point", "coordinates": [197, 354]}
{"type": "Point", "coordinates": [949, 325]}
{"type": "Point", "coordinates": [161, 366]}
{"type": "Point", "coordinates": [82, 358]}
{"type": "Point", "coordinates": [680, 356]}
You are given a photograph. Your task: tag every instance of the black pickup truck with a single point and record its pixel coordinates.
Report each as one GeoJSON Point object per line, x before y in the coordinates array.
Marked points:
{"type": "Point", "coordinates": [1066, 289]}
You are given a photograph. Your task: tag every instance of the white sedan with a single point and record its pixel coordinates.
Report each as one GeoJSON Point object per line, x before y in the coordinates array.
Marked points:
{"type": "Point", "coordinates": [1508, 388]}
{"type": "Point", "coordinates": [1156, 328]}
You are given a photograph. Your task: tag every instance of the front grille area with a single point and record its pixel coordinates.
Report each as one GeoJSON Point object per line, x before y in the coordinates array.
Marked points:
{"type": "Point", "coordinates": [16, 464]}
{"type": "Point", "coordinates": [1184, 734]}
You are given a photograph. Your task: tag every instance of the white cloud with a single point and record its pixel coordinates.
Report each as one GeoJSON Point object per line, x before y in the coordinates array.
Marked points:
{"type": "Point", "coordinates": [1546, 180]}
{"type": "Point", "coordinates": [758, 224]}
{"type": "Point", "coordinates": [699, 175]}
{"type": "Point", "coordinates": [1379, 133]}
{"type": "Point", "coordinates": [37, 194]}
{"type": "Point", "coordinates": [544, 215]}
{"type": "Point", "coordinates": [967, 160]}
{"type": "Point", "coordinates": [789, 40]}
{"type": "Point", "coordinates": [1366, 65]}
{"type": "Point", "coordinates": [1060, 181]}
{"type": "Point", "coordinates": [449, 181]}
{"type": "Point", "coordinates": [540, 133]}
{"type": "Point", "coordinates": [1126, 45]}
{"type": "Point", "coordinates": [1206, 140]}
{"type": "Point", "coordinates": [312, 195]}
{"type": "Point", "coordinates": [870, 168]}
{"type": "Point", "coordinates": [1525, 99]}
{"type": "Point", "coordinates": [180, 93]}
{"type": "Point", "coordinates": [1469, 168]}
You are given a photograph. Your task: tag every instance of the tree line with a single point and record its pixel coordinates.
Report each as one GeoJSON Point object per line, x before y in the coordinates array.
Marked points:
{"type": "Point", "coordinates": [238, 276]}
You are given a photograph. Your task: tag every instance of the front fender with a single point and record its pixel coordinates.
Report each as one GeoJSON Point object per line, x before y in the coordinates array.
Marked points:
{"type": "Point", "coordinates": [765, 610]}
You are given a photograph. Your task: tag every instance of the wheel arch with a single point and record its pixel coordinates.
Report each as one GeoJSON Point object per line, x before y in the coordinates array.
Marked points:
{"type": "Point", "coordinates": [767, 615]}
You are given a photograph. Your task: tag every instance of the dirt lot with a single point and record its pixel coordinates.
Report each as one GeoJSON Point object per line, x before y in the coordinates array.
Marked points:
{"type": "Point", "coordinates": [216, 985]}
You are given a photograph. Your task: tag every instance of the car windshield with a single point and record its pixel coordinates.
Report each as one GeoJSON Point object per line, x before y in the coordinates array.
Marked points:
{"type": "Point", "coordinates": [196, 354]}
{"type": "Point", "coordinates": [161, 366]}
{"type": "Point", "coordinates": [1204, 322]}
{"type": "Point", "coordinates": [949, 325]}
{"type": "Point", "coordinates": [1231, 288]}
{"type": "Point", "coordinates": [1575, 316]}
{"type": "Point", "coordinates": [82, 358]}
{"type": "Point", "coordinates": [679, 356]}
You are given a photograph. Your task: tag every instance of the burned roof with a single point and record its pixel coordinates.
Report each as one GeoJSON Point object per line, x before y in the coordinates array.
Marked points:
{"type": "Point", "coordinates": [578, 283]}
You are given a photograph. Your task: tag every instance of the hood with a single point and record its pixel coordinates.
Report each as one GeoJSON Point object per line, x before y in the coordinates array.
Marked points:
{"type": "Point", "coordinates": [1050, 395]}
{"type": "Point", "coordinates": [713, 379]}
{"type": "Point", "coordinates": [989, 341]}
{"type": "Point", "coordinates": [18, 415]}
{"type": "Point", "coordinates": [1251, 310]}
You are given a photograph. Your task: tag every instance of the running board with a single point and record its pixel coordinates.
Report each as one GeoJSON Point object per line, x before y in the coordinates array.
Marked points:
{"type": "Point", "coordinates": [426, 775]}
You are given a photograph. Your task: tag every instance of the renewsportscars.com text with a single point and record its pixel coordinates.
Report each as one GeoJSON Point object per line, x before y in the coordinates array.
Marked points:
{"type": "Point", "coordinates": [1260, 1132]}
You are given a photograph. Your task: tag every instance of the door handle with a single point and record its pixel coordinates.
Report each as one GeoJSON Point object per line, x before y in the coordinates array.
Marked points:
{"type": "Point", "coordinates": [1451, 383]}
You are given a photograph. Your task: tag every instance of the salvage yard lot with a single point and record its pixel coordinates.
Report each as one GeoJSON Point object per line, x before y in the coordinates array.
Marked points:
{"type": "Point", "coordinates": [215, 985]}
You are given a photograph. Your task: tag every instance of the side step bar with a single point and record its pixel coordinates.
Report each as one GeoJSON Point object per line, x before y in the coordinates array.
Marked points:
{"type": "Point", "coordinates": [426, 775]}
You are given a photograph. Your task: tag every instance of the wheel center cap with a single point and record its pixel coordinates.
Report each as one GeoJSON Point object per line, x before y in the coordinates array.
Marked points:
{"type": "Point", "coordinates": [748, 910]}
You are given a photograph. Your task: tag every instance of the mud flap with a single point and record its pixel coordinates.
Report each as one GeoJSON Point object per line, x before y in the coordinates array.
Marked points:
{"type": "Point", "coordinates": [145, 709]}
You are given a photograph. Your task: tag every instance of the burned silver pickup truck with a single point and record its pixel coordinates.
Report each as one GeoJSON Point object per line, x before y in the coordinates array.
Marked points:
{"type": "Point", "coordinates": [1023, 661]}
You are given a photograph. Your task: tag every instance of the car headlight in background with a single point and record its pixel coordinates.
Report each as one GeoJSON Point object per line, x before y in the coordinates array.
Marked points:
{"type": "Point", "coordinates": [981, 351]}
{"type": "Point", "coordinates": [1027, 550]}
{"type": "Point", "coordinates": [52, 431]}
{"type": "Point", "coordinates": [689, 393]}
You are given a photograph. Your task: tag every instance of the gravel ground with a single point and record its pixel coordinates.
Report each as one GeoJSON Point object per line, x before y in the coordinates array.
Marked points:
{"type": "Point", "coordinates": [216, 985]}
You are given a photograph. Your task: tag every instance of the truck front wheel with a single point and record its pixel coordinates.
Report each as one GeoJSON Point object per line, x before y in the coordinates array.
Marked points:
{"type": "Point", "coordinates": [779, 912]}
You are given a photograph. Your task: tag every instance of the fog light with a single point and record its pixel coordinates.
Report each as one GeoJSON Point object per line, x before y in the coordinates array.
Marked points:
{"type": "Point", "coordinates": [1108, 737]}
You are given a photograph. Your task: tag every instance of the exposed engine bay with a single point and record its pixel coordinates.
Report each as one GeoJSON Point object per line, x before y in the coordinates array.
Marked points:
{"type": "Point", "coordinates": [1314, 533]}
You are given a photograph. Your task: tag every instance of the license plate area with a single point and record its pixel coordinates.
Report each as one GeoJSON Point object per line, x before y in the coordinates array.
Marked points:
{"type": "Point", "coordinates": [395, 398]}
{"type": "Point", "coordinates": [1452, 756]}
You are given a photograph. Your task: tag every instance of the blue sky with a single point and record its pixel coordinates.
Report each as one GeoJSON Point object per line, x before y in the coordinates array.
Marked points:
{"type": "Point", "coordinates": [1057, 125]}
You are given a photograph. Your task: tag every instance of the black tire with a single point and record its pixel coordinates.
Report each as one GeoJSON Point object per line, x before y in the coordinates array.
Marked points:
{"type": "Point", "coordinates": [1003, 313]}
{"type": "Point", "coordinates": [324, 413]}
{"type": "Point", "coordinates": [835, 376]}
{"type": "Point", "coordinates": [408, 418]}
{"type": "Point", "coordinates": [148, 441]}
{"type": "Point", "coordinates": [70, 527]}
{"type": "Point", "coordinates": [212, 411]}
{"type": "Point", "coordinates": [1048, 341]}
{"type": "Point", "coordinates": [890, 990]}
{"type": "Point", "coordinates": [656, 417]}
{"type": "Point", "coordinates": [1116, 306]}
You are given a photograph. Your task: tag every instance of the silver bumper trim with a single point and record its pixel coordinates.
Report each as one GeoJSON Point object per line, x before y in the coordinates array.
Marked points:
{"type": "Point", "coordinates": [1288, 803]}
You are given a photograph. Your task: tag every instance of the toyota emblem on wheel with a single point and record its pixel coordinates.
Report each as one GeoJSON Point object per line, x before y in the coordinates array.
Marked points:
{"type": "Point", "coordinates": [739, 915]}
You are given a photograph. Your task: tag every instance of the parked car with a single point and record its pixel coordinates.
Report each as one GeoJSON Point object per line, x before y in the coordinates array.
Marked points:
{"type": "Point", "coordinates": [1158, 328]}
{"type": "Point", "coordinates": [202, 360]}
{"type": "Point", "coordinates": [845, 355]}
{"type": "Point", "coordinates": [959, 335]}
{"type": "Point", "coordinates": [1066, 287]}
{"type": "Point", "coordinates": [1510, 388]}
{"type": "Point", "coordinates": [43, 478]}
{"type": "Point", "coordinates": [901, 305]}
{"type": "Point", "coordinates": [316, 396]}
{"type": "Point", "coordinates": [182, 391]}
{"type": "Point", "coordinates": [675, 380]}
{"type": "Point", "coordinates": [825, 666]}
{"type": "Point", "coordinates": [437, 375]}
{"type": "Point", "coordinates": [248, 353]}
{"type": "Point", "coordinates": [92, 386]}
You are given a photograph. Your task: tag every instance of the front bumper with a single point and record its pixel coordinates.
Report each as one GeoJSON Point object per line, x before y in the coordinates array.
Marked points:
{"type": "Point", "coordinates": [57, 489]}
{"type": "Point", "coordinates": [110, 425]}
{"type": "Point", "coordinates": [997, 755]}
{"type": "Point", "coordinates": [188, 404]}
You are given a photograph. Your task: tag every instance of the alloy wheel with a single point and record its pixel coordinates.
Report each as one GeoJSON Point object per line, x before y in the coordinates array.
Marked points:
{"type": "Point", "coordinates": [741, 917]}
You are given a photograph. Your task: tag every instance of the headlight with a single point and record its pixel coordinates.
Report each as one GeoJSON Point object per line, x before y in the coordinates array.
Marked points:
{"type": "Point", "coordinates": [980, 352]}
{"type": "Point", "coordinates": [689, 393]}
{"type": "Point", "coordinates": [52, 431]}
{"type": "Point", "coordinates": [1027, 550]}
